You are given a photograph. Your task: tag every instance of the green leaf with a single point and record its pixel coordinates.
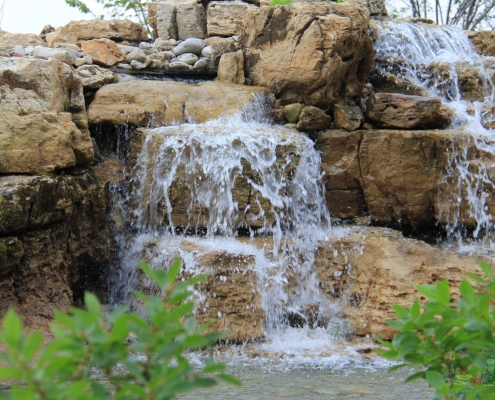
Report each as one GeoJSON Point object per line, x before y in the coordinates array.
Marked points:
{"type": "Point", "coordinates": [32, 344]}
{"type": "Point", "coordinates": [415, 376]}
{"type": "Point", "coordinates": [435, 379]}
{"type": "Point", "coordinates": [229, 379]}
{"type": "Point", "coordinates": [443, 291]}
{"type": "Point", "coordinates": [12, 328]}
{"type": "Point", "coordinates": [92, 304]}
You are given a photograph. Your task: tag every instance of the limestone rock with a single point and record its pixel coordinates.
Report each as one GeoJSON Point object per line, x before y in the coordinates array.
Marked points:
{"type": "Point", "coordinates": [225, 18]}
{"type": "Point", "coordinates": [136, 55]}
{"type": "Point", "coordinates": [488, 116]}
{"type": "Point", "coordinates": [219, 47]}
{"type": "Point", "coordinates": [66, 56]}
{"type": "Point", "coordinates": [62, 241]}
{"type": "Point", "coordinates": [178, 66]}
{"type": "Point", "coordinates": [230, 300]}
{"type": "Point", "coordinates": [348, 117]}
{"type": "Point", "coordinates": [105, 52]}
{"type": "Point", "coordinates": [117, 29]}
{"type": "Point", "coordinates": [152, 18]}
{"type": "Point", "coordinates": [292, 112]}
{"type": "Point", "coordinates": [313, 118]}
{"type": "Point", "coordinates": [157, 61]}
{"type": "Point", "coordinates": [180, 19]}
{"type": "Point", "coordinates": [161, 103]}
{"type": "Point", "coordinates": [313, 53]}
{"type": "Point", "coordinates": [401, 177]}
{"type": "Point", "coordinates": [192, 45]}
{"type": "Point", "coordinates": [231, 68]}
{"type": "Point", "coordinates": [94, 77]}
{"type": "Point", "coordinates": [393, 110]}
{"type": "Point", "coordinates": [385, 271]}
{"type": "Point", "coordinates": [188, 58]}
{"type": "Point", "coordinates": [483, 42]}
{"type": "Point", "coordinates": [137, 65]}
{"type": "Point", "coordinates": [200, 64]}
{"type": "Point", "coordinates": [8, 39]}
{"type": "Point", "coordinates": [40, 101]}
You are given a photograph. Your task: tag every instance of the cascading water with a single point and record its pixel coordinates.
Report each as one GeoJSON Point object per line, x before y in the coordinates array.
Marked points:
{"type": "Point", "coordinates": [440, 61]}
{"type": "Point", "coordinates": [208, 183]}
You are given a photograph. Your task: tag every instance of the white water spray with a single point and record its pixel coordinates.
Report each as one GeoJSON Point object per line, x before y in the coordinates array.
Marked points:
{"type": "Point", "coordinates": [441, 61]}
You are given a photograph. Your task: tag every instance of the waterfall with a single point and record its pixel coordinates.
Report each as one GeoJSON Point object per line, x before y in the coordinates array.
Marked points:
{"type": "Point", "coordinates": [441, 62]}
{"type": "Point", "coordinates": [207, 184]}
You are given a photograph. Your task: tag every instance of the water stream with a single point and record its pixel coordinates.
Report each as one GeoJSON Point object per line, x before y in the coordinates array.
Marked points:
{"type": "Point", "coordinates": [241, 186]}
{"type": "Point", "coordinates": [441, 62]}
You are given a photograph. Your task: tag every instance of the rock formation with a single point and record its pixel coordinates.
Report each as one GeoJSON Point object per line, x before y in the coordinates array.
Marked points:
{"type": "Point", "coordinates": [316, 54]}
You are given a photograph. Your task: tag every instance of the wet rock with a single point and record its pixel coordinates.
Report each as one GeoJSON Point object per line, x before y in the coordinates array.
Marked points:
{"type": "Point", "coordinates": [488, 116]}
{"type": "Point", "coordinates": [292, 112]}
{"type": "Point", "coordinates": [483, 42]}
{"type": "Point", "coordinates": [61, 239]}
{"type": "Point", "coordinates": [117, 30]}
{"type": "Point", "coordinates": [142, 102]}
{"type": "Point", "coordinates": [384, 272]}
{"type": "Point", "coordinates": [40, 101]}
{"type": "Point", "coordinates": [188, 58]}
{"type": "Point", "coordinates": [180, 19]}
{"type": "Point", "coordinates": [312, 53]}
{"type": "Point", "coordinates": [104, 52]}
{"type": "Point", "coordinates": [94, 77]}
{"type": "Point", "coordinates": [123, 66]}
{"type": "Point", "coordinates": [231, 68]}
{"type": "Point", "coordinates": [66, 56]}
{"type": "Point", "coordinates": [393, 110]}
{"type": "Point", "coordinates": [136, 55]}
{"type": "Point", "coordinates": [411, 185]}
{"type": "Point", "coordinates": [192, 45]}
{"type": "Point", "coordinates": [225, 18]}
{"type": "Point", "coordinates": [339, 329]}
{"type": "Point", "coordinates": [313, 118]}
{"type": "Point", "coordinates": [347, 117]}
{"type": "Point", "coordinates": [471, 84]}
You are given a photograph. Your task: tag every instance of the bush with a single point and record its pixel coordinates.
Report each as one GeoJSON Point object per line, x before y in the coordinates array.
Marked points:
{"type": "Point", "coordinates": [153, 365]}
{"type": "Point", "coordinates": [450, 340]}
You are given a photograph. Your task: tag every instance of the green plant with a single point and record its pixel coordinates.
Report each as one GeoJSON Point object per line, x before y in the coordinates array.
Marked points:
{"type": "Point", "coordinates": [153, 365]}
{"type": "Point", "coordinates": [273, 3]}
{"type": "Point", "coordinates": [118, 9]}
{"type": "Point", "coordinates": [446, 337]}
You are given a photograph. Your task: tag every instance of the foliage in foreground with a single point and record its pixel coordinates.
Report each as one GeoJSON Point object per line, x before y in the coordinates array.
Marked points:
{"type": "Point", "coordinates": [151, 366]}
{"type": "Point", "coordinates": [450, 340]}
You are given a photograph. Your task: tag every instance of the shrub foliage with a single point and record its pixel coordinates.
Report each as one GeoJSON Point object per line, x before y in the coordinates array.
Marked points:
{"type": "Point", "coordinates": [135, 356]}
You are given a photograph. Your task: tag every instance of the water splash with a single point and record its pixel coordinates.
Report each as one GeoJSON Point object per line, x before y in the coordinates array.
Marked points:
{"type": "Point", "coordinates": [212, 181]}
{"type": "Point", "coordinates": [440, 61]}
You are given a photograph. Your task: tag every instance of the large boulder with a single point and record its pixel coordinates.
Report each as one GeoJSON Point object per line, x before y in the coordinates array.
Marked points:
{"type": "Point", "coordinates": [180, 19]}
{"type": "Point", "coordinates": [43, 125]}
{"type": "Point", "coordinates": [361, 272]}
{"type": "Point", "coordinates": [155, 103]}
{"type": "Point", "coordinates": [117, 29]}
{"type": "Point", "coordinates": [225, 18]}
{"type": "Point", "coordinates": [413, 178]}
{"type": "Point", "coordinates": [483, 42]}
{"type": "Point", "coordinates": [401, 111]}
{"type": "Point", "coordinates": [317, 53]}
{"type": "Point", "coordinates": [370, 270]}
{"type": "Point", "coordinates": [55, 238]}
{"type": "Point", "coordinates": [8, 39]}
